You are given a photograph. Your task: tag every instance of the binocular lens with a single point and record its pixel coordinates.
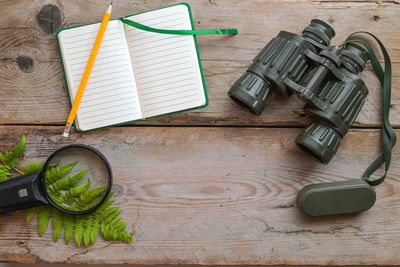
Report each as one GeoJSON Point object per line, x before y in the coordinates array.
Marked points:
{"type": "Point", "coordinates": [76, 179]}
{"type": "Point", "coordinates": [319, 141]}
{"type": "Point", "coordinates": [251, 91]}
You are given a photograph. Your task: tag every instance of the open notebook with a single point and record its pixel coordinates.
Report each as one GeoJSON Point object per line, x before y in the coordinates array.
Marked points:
{"type": "Point", "coordinates": [136, 74]}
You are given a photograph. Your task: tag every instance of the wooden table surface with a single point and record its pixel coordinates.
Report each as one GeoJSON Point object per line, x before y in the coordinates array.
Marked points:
{"type": "Point", "coordinates": [212, 186]}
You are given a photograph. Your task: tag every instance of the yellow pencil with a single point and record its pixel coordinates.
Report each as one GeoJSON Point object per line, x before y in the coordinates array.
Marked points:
{"type": "Point", "coordinates": [88, 69]}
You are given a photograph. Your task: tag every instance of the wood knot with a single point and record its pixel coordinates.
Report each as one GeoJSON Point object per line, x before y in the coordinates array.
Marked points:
{"type": "Point", "coordinates": [49, 18]}
{"type": "Point", "coordinates": [212, 2]}
{"type": "Point", "coordinates": [375, 18]}
{"type": "Point", "coordinates": [118, 189]}
{"type": "Point", "coordinates": [25, 63]}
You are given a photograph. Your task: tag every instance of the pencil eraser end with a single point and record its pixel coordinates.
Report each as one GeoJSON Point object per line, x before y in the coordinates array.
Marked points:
{"type": "Point", "coordinates": [65, 134]}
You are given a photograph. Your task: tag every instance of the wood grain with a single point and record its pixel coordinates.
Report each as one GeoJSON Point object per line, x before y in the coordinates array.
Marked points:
{"type": "Point", "coordinates": [205, 195]}
{"type": "Point", "coordinates": [36, 94]}
{"type": "Point", "coordinates": [217, 196]}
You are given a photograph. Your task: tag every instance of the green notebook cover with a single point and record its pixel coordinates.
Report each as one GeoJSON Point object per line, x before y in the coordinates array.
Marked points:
{"type": "Point", "coordinates": [167, 114]}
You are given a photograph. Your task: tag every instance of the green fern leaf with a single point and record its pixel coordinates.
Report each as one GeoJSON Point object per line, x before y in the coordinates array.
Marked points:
{"type": "Point", "coordinates": [86, 227]}
{"type": "Point", "coordinates": [95, 229]}
{"type": "Point", "coordinates": [112, 216]}
{"type": "Point", "coordinates": [58, 222]}
{"type": "Point", "coordinates": [79, 190]}
{"type": "Point", "coordinates": [114, 221]}
{"type": "Point", "coordinates": [112, 228]}
{"type": "Point", "coordinates": [106, 232]}
{"type": "Point", "coordinates": [127, 237]}
{"type": "Point", "coordinates": [44, 217]}
{"type": "Point", "coordinates": [107, 203]}
{"type": "Point", "coordinates": [108, 212]}
{"type": "Point", "coordinates": [53, 174]}
{"type": "Point", "coordinates": [32, 167]}
{"type": "Point", "coordinates": [68, 227]}
{"type": "Point", "coordinates": [20, 148]}
{"type": "Point", "coordinates": [118, 231]}
{"type": "Point", "coordinates": [87, 230]}
{"type": "Point", "coordinates": [79, 227]}
{"type": "Point", "coordinates": [30, 212]}
{"type": "Point", "coordinates": [9, 158]}
{"type": "Point", "coordinates": [120, 225]}
{"type": "Point", "coordinates": [90, 195]}
{"type": "Point", "coordinates": [116, 235]}
{"type": "Point", "coordinates": [4, 172]}
{"type": "Point", "coordinates": [69, 182]}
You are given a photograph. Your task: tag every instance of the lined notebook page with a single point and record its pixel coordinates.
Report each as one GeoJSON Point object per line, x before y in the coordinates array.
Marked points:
{"type": "Point", "coordinates": [166, 66]}
{"type": "Point", "coordinates": [110, 96]}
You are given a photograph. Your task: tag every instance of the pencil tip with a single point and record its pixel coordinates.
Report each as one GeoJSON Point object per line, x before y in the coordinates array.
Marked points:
{"type": "Point", "coordinates": [111, 3]}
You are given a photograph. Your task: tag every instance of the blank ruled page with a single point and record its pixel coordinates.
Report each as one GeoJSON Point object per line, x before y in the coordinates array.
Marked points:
{"type": "Point", "coordinates": [110, 96]}
{"type": "Point", "coordinates": [166, 66]}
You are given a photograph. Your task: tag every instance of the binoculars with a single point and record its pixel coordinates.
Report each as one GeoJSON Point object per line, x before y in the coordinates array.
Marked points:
{"type": "Point", "coordinates": [323, 76]}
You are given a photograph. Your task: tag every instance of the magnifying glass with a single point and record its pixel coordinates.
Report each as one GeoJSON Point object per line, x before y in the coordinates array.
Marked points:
{"type": "Point", "coordinates": [75, 179]}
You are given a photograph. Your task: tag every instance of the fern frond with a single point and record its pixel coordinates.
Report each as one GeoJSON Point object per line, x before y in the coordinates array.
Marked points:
{"type": "Point", "coordinates": [17, 151]}
{"type": "Point", "coordinates": [116, 233]}
{"type": "Point", "coordinates": [111, 216]}
{"type": "Point", "coordinates": [90, 195]}
{"type": "Point", "coordinates": [69, 182]}
{"type": "Point", "coordinates": [108, 212]}
{"type": "Point", "coordinates": [58, 222]}
{"type": "Point", "coordinates": [79, 190]}
{"type": "Point", "coordinates": [68, 227]}
{"type": "Point", "coordinates": [120, 225]}
{"type": "Point", "coordinates": [9, 158]}
{"type": "Point", "coordinates": [64, 200]}
{"type": "Point", "coordinates": [106, 231]}
{"type": "Point", "coordinates": [112, 228]}
{"type": "Point", "coordinates": [87, 230]}
{"type": "Point", "coordinates": [107, 203]}
{"type": "Point", "coordinates": [114, 221]}
{"type": "Point", "coordinates": [44, 217]}
{"type": "Point", "coordinates": [30, 212]}
{"type": "Point", "coordinates": [4, 172]}
{"type": "Point", "coordinates": [32, 167]}
{"type": "Point", "coordinates": [127, 237]}
{"type": "Point", "coordinates": [95, 229]}
{"type": "Point", "coordinates": [79, 227]}
{"type": "Point", "coordinates": [20, 148]}
{"type": "Point", "coordinates": [84, 227]}
{"type": "Point", "coordinates": [55, 173]}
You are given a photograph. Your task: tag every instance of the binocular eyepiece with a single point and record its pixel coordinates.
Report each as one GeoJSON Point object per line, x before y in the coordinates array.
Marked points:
{"type": "Point", "coordinates": [323, 76]}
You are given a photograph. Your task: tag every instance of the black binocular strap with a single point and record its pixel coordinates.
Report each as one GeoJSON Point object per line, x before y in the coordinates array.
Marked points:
{"type": "Point", "coordinates": [388, 134]}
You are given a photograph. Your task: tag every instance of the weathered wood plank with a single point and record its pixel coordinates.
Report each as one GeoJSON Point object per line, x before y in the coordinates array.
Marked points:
{"type": "Point", "coordinates": [35, 93]}
{"type": "Point", "coordinates": [40, 97]}
{"type": "Point", "coordinates": [217, 196]}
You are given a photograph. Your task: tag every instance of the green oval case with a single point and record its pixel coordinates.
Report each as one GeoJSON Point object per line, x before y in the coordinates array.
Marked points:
{"type": "Point", "coordinates": [336, 197]}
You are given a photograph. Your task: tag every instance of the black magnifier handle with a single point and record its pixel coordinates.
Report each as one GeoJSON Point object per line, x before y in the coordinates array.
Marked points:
{"type": "Point", "coordinates": [21, 193]}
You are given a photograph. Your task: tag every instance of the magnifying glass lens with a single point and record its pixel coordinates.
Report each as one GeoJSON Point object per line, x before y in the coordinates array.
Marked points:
{"type": "Point", "coordinates": [76, 179]}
